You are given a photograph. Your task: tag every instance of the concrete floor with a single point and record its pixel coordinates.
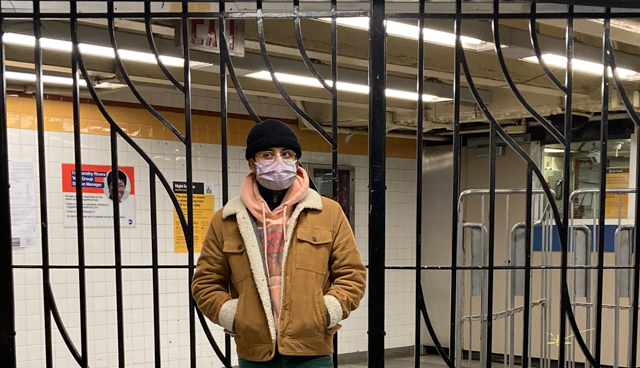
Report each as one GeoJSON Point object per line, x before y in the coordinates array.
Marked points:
{"type": "Point", "coordinates": [427, 361]}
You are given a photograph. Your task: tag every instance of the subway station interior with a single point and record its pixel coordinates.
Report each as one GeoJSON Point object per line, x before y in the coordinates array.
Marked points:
{"type": "Point", "coordinates": [484, 152]}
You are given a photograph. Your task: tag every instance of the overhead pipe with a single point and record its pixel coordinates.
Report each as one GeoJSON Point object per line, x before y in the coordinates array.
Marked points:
{"type": "Point", "coordinates": [509, 129]}
{"type": "Point", "coordinates": [427, 137]}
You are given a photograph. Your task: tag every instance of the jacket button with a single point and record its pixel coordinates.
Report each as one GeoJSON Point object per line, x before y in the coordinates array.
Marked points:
{"type": "Point", "coordinates": [240, 247]}
{"type": "Point", "coordinates": [314, 239]}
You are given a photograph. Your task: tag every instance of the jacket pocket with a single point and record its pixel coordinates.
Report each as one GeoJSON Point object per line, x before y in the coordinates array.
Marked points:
{"type": "Point", "coordinates": [313, 249]}
{"type": "Point", "coordinates": [324, 322]}
{"type": "Point", "coordinates": [235, 251]}
{"type": "Point", "coordinates": [304, 315]}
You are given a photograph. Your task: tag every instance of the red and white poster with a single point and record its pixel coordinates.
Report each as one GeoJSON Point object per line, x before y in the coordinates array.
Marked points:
{"type": "Point", "coordinates": [100, 187]}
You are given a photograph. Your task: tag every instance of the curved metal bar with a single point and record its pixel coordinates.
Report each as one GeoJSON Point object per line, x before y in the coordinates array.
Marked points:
{"type": "Point", "coordinates": [305, 57]}
{"type": "Point", "coordinates": [285, 95]}
{"type": "Point", "coordinates": [61, 328]}
{"type": "Point", "coordinates": [82, 289]}
{"type": "Point", "coordinates": [130, 141]}
{"type": "Point", "coordinates": [154, 49]}
{"type": "Point", "coordinates": [505, 71]}
{"type": "Point", "coordinates": [623, 94]}
{"type": "Point", "coordinates": [212, 341]}
{"type": "Point", "coordinates": [189, 236]}
{"type": "Point", "coordinates": [536, 48]}
{"type": "Point", "coordinates": [636, 278]}
{"type": "Point", "coordinates": [303, 51]}
{"type": "Point", "coordinates": [153, 166]}
{"type": "Point", "coordinates": [512, 143]}
{"type": "Point", "coordinates": [432, 331]}
{"type": "Point", "coordinates": [132, 87]}
{"type": "Point", "coordinates": [556, 213]}
{"type": "Point", "coordinates": [224, 53]}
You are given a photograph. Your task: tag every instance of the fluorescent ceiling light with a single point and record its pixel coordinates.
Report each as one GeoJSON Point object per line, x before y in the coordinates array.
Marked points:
{"type": "Point", "coordinates": [413, 32]}
{"type": "Point", "coordinates": [583, 66]}
{"type": "Point", "coordinates": [342, 86]}
{"type": "Point", "coordinates": [557, 150]}
{"type": "Point", "coordinates": [554, 150]}
{"type": "Point", "coordinates": [95, 50]}
{"type": "Point", "coordinates": [290, 79]}
{"type": "Point", "coordinates": [49, 79]}
{"type": "Point", "coordinates": [52, 79]}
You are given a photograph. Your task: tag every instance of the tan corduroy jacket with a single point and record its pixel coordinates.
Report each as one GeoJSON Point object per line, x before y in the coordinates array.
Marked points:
{"type": "Point", "coordinates": [323, 275]}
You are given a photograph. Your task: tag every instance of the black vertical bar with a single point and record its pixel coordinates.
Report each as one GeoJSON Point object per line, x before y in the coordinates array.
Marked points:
{"type": "Point", "coordinates": [334, 102]}
{"type": "Point", "coordinates": [7, 307]}
{"type": "Point", "coordinates": [117, 241]}
{"type": "Point", "coordinates": [117, 235]}
{"type": "Point", "coordinates": [154, 259]}
{"type": "Point", "coordinates": [636, 265]}
{"type": "Point", "coordinates": [604, 137]}
{"type": "Point", "coordinates": [224, 134]}
{"type": "Point", "coordinates": [458, 57]}
{"type": "Point", "coordinates": [419, 144]}
{"type": "Point", "coordinates": [492, 240]}
{"type": "Point", "coordinates": [566, 190]}
{"type": "Point", "coordinates": [42, 170]}
{"type": "Point", "coordinates": [77, 145]}
{"type": "Point", "coordinates": [377, 148]}
{"type": "Point", "coordinates": [223, 113]}
{"type": "Point", "coordinates": [189, 162]}
{"type": "Point", "coordinates": [118, 249]}
{"type": "Point", "coordinates": [527, 271]}
{"type": "Point", "coordinates": [334, 129]}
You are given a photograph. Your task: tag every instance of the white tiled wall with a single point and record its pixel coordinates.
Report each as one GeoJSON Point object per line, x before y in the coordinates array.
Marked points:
{"type": "Point", "coordinates": [174, 283]}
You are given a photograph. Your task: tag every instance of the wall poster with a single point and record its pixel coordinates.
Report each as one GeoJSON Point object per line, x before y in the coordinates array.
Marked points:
{"type": "Point", "coordinates": [99, 188]}
{"type": "Point", "coordinates": [617, 204]}
{"type": "Point", "coordinates": [203, 210]}
{"type": "Point", "coordinates": [23, 203]}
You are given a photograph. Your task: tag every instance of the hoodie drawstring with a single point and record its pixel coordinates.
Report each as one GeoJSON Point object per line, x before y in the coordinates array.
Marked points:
{"type": "Point", "coordinates": [264, 241]}
{"type": "Point", "coordinates": [284, 224]}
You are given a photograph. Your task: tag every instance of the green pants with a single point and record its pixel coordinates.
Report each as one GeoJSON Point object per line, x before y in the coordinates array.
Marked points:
{"type": "Point", "coordinates": [280, 361]}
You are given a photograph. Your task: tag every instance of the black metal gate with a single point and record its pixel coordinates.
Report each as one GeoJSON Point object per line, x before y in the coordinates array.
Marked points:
{"type": "Point", "coordinates": [377, 132]}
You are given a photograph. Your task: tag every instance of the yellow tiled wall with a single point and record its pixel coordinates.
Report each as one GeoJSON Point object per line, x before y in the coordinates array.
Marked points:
{"type": "Point", "coordinates": [139, 123]}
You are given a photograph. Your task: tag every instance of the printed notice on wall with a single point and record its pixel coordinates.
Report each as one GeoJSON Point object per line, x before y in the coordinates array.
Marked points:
{"type": "Point", "coordinates": [203, 210]}
{"type": "Point", "coordinates": [23, 203]}
{"type": "Point", "coordinates": [100, 187]}
{"type": "Point", "coordinates": [617, 204]}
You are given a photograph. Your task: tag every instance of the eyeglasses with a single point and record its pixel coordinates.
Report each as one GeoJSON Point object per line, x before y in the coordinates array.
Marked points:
{"type": "Point", "coordinates": [269, 157]}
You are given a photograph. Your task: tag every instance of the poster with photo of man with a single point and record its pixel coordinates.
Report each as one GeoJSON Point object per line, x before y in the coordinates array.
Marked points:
{"type": "Point", "coordinates": [100, 187]}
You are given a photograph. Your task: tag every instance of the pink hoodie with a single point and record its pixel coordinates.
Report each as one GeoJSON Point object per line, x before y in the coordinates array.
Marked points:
{"type": "Point", "coordinates": [272, 229]}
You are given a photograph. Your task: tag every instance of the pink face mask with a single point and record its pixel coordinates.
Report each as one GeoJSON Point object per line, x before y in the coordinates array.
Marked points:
{"type": "Point", "coordinates": [276, 175]}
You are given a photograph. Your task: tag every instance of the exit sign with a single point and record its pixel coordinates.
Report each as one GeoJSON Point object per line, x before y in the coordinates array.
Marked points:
{"type": "Point", "coordinates": [204, 36]}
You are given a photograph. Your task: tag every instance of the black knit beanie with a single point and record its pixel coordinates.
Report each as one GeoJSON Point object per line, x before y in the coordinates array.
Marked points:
{"type": "Point", "coordinates": [270, 134]}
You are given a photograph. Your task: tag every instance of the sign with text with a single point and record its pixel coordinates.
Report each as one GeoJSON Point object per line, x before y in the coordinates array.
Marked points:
{"type": "Point", "coordinates": [203, 210]}
{"type": "Point", "coordinates": [99, 189]}
{"type": "Point", "coordinates": [204, 36]}
{"type": "Point", "coordinates": [23, 203]}
{"type": "Point", "coordinates": [617, 204]}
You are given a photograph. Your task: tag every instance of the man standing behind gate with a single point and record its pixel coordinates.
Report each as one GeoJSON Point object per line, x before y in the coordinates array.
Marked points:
{"type": "Point", "coordinates": [279, 268]}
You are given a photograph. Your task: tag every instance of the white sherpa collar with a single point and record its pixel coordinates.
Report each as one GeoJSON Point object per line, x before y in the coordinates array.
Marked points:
{"type": "Point", "coordinates": [312, 200]}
